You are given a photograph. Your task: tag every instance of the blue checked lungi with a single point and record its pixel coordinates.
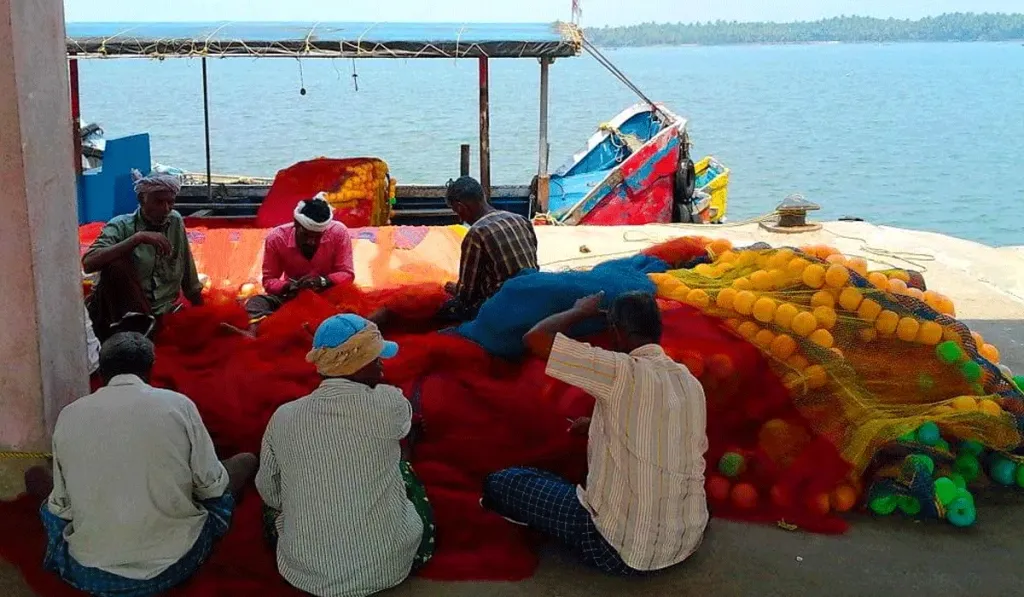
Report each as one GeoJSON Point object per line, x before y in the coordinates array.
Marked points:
{"type": "Point", "coordinates": [104, 584]}
{"type": "Point", "coordinates": [548, 503]}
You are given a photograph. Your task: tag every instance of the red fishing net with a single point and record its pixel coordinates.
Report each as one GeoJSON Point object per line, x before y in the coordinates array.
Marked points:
{"type": "Point", "coordinates": [480, 414]}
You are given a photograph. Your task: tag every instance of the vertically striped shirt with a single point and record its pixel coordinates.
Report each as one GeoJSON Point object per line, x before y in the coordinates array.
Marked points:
{"type": "Point", "coordinates": [497, 247]}
{"type": "Point", "coordinates": [648, 436]}
{"type": "Point", "coordinates": [330, 464]}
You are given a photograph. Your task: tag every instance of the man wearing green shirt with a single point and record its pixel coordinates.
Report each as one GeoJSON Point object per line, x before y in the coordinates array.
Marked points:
{"type": "Point", "coordinates": [144, 262]}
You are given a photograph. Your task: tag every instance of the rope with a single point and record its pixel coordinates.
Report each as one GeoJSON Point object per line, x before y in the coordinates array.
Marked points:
{"type": "Point", "coordinates": [614, 70]}
{"type": "Point", "coordinates": [12, 455]}
{"type": "Point", "coordinates": [633, 142]}
{"type": "Point", "coordinates": [878, 255]}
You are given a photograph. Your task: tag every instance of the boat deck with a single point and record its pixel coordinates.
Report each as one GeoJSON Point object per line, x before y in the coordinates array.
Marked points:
{"type": "Point", "coordinates": [877, 556]}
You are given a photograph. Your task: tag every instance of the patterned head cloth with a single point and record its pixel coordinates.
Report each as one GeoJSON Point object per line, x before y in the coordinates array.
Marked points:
{"type": "Point", "coordinates": [309, 223]}
{"type": "Point", "coordinates": [155, 182]}
{"type": "Point", "coordinates": [344, 344]}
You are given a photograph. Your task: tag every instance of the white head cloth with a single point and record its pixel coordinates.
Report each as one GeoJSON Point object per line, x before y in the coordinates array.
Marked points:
{"type": "Point", "coordinates": [155, 182]}
{"type": "Point", "coordinates": [307, 222]}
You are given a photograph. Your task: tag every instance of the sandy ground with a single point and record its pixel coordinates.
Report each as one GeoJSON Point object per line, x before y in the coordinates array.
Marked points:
{"type": "Point", "coordinates": [877, 556]}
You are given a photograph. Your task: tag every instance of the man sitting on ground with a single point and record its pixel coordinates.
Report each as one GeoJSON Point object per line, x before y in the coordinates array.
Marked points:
{"type": "Point", "coordinates": [497, 246]}
{"type": "Point", "coordinates": [314, 252]}
{"type": "Point", "coordinates": [346, 512]}
{"type": "Point", "coordinates": [144, 261]}
{"type": "Point", "coordinates": [643, 507]}
{"type": "Point", "coordinates": [139, 496]}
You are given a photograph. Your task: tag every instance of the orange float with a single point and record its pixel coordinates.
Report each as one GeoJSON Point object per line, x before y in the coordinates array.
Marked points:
{"type": "Point", "coordinates": [761, 280]}
{"type": "Point", "coordinates": [837, 276]}
{"type": "Point", "coordinates": [718, 488]}
{"type": "Point", "coordinates": [744, 302]}
{"type": "Point", "coordinates": [804, 323]}
{"type": "Point", "coordinates": [850, 298]}
{"type": "Point", "coordinates": [886, 322]}
{"type": "Point", "coordinates": [907, 329]}
{"type": "Point", "coordinates": [822, 338]}
{"type": "Point", "coordinates": [764, 309]}
{"type": "Point", "coordinates": [725, 298]}
{"type": "Point", "coordinates": [929, 333]}
{"type": "Point", "coordinates": [783, 347]}
{"type": "Point", "coordinates": [826, 316]}
{"type": "Point", "coordinates": [785, 314]}
{"type": "Point", "coordinates": [869, 310]}
{"type": "Point", "coordinates": [744, 496]}
{"type": "Point", "coordinates": [814, 276]}
{"type": "Point", "coordinates": [844, 498]}
{"type": "Point", "coordinates": [823, 298]}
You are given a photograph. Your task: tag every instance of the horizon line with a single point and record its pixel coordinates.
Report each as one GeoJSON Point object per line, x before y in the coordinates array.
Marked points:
{"type": "Point", "coordinates": [606, 26]}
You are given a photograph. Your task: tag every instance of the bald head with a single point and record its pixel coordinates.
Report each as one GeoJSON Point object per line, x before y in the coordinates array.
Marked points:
{"type": "Point", "coordinates": [127, 353]}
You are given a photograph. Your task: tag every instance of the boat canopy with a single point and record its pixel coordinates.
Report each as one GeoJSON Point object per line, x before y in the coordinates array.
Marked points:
{"type": "Point", "coordinates": [324, 40]}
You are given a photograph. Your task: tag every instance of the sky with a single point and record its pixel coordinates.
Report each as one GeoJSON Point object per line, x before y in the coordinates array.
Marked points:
{"type": "Point", "coordinates": [595, 12]}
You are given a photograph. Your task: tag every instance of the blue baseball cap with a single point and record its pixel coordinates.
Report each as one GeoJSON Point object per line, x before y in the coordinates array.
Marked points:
{"type": "Point", "coordinates": [337, 330]}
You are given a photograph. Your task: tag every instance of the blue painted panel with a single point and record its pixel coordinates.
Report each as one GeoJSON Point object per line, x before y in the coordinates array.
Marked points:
{"type": "Point", "coordinates": [106, 192]}
{"type": "Point", "coordinates": [611, 152]}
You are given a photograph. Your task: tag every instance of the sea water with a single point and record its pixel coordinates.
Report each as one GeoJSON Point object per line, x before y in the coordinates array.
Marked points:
{"type": "Point", "coordinates": [927, 136]}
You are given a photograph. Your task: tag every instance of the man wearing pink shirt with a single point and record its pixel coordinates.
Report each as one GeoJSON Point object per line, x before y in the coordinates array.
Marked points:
{"type": "Point", "coordinates": [312, 253]}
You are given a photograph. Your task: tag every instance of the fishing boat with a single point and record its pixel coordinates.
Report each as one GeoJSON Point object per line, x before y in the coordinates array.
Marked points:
{"type": "Point", "coordinates": [635, 169]}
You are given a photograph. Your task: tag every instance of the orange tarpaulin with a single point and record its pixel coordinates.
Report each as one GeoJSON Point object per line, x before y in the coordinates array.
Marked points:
{"type": "Point", "coordinates": [384, 257]}
{"type": "Point", "coordinates": [359, 189]}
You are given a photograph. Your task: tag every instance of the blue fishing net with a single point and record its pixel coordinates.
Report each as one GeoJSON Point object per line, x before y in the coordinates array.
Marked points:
{"type": "Point", "coordinates": [531, 296]}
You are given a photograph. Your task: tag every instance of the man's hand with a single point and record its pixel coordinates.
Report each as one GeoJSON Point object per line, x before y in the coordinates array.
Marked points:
{"type": "Point", "coordinates": [589, 306]}
{"type": "Point", "coordinates": [154, 239]}
{"type": "Point", "coordinates": [580, 426]}
{"type": "Point", "coordinates": [311, 282]}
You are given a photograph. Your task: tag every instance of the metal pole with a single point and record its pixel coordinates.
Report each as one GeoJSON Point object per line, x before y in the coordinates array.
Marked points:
{"type": "Point", "coordinates": [206, 124]}
{"type": "Point", "coordinates": [485, 130]}
{"type": "Point", "coordinates": [76, 114]}
{"type": "Point", "coordinates": [464, 159]}
{"type": "Point", "coordinates": [543, 180]}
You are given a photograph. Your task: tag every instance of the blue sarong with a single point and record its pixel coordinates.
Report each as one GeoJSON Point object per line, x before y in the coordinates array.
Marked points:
{"type": "Point", "coordinates": [104, 584]}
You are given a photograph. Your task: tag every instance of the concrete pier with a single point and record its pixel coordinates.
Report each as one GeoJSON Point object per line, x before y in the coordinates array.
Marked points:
{"type": "Point", "coordinates": [42, 332]}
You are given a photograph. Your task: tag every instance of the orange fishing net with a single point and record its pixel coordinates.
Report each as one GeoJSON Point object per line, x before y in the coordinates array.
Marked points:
{"type": "Point", "coordinates": [871, 362]}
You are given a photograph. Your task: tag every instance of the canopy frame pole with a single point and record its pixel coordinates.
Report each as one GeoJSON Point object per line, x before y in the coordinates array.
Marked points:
{"type": "Point", "coordinates": [76, 114]}
{"type": "Point", "coordinates": [206, 126]}
{"type": "Point", "coordinates": [485, 129]}
{"type": "Point", "coordinates": [543, 179]}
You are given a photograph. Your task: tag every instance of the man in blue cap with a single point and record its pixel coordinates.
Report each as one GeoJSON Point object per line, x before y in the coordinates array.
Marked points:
{"type": "Point", "coordinates": [346, 512]}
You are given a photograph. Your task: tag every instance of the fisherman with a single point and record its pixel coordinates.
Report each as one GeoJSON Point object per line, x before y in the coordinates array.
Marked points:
{"type": "Point", "coordinates": [498, 245]}
{"type": "Point", "coordinates": [144, 262]}
{"type": "Point", "coordinates": [643, 507]}
{"type": "Point", "coordinates": [313, 252]}
{"type": "Point", "coordinates": [136, 514]}
{"type": "Point", "coordinates": [346, 512]}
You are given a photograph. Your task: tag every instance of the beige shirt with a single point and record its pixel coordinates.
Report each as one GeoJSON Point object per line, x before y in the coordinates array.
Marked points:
{"type": "Point", "coordinates": [129, 464]}
{"type": "Point", "coordinates": [330, 464]}
{"type": "Point", "coordinates": [645, 485]}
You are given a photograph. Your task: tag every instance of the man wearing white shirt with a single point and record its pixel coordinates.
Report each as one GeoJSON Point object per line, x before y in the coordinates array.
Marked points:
{"type": "Point", "coordinates": [139, 496]}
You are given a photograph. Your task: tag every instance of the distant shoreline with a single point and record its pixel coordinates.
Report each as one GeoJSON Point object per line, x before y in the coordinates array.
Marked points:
{"type": "Point", "coordinates": [947, 28]}
{"type": "Point", "coordinates": [806, 43]}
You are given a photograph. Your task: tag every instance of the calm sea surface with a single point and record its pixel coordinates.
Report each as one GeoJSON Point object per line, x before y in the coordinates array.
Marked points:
{"type": "Point", "coordinates": [920, 136]}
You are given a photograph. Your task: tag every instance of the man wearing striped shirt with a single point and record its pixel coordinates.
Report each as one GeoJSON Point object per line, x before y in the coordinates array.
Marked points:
{"type": "Point", "coordinates": [497, 246]}
{"type": "Point", "coordinates": [643, 507]}
{"type": "Point", "coordinates": [348, 516]}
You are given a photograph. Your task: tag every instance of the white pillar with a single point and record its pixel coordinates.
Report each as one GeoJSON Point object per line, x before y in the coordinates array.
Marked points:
{"type": "Point", "coordinates": [42, 331]}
